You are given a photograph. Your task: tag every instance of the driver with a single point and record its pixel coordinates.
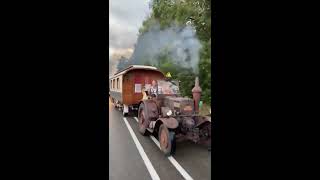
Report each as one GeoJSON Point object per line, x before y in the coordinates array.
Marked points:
{"type": "Point", "coordinates": [153, 91]}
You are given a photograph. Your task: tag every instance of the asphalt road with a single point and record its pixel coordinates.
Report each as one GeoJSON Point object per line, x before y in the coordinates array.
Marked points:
{"type": "Point", "coordinates": [136, 157]}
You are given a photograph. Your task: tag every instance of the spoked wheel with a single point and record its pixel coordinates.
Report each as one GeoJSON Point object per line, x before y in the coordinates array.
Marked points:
{"type": "Point", "coordinates": [167, 140]}
{"type": "Point", "coordinates": [142, 120]}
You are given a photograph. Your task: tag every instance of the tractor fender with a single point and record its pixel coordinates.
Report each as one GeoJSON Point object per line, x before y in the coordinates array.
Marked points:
{"type": "Point", "coordinates": [170, 123]}
{"type": "Point", "coordinates": [202, 120]}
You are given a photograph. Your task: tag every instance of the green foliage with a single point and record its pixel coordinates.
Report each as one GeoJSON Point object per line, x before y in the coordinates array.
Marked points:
{"type": "Point", "coordinates": [198, 13]}
{"type": "Point", "coordinates": [187, 80]}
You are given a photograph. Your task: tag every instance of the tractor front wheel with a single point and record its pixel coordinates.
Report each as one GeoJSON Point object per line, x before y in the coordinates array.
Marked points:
{"type": "Point", "coordinates": [167, 140]}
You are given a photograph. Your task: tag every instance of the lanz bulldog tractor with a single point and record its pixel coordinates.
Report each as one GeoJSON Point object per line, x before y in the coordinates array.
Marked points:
{"type": "Point", "coordinates": [173, 118]}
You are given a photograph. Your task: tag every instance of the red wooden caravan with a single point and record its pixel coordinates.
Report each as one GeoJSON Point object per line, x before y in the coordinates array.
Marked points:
{"type": "Point", "coordinates": [126, 85]}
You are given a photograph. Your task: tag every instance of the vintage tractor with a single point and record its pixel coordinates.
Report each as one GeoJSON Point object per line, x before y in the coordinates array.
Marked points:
{"type": "Point", "coordinates": [173, 118]}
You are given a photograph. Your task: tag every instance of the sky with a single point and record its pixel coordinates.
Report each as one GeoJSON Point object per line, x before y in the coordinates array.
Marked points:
{"type": "Point", "coordinates": [125, 19]}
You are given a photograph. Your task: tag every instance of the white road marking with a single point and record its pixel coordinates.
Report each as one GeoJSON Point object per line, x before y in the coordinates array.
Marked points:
{"type": "Point", "coordinates": [182, 171]}
{"type": "Point", "coordinates": [136, 119]}
{"type": "Point", "coordinates": [180, 168]}
{"type": "Point", "coordinates": [144, 156]}
{"type": "Point", "coordinates": [155, 141]}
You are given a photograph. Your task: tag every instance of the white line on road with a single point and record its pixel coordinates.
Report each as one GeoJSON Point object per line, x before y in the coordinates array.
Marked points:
{"type": "Point", "coordinates": [136, 119]}
{"type": "Point", "coordinates": [172, 160]}
{"type": "Point", "coordinates": [155, 141]}
{"type": "Point", "coordinates": [144, 156]}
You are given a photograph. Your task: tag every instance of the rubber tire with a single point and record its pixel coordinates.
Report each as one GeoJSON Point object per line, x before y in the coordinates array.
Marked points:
{"type": "Point", "coordinates": [173, 142]}
{"type": "Point", "coordinates": [170, 139]}
{"type": "Point", "coordinates": [142, 125]}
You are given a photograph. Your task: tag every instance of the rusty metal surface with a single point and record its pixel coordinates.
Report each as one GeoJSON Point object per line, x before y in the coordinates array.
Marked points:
{"type": "Point", "coordinates": [188, 124]}
{"type": "Point", "coordinates": [151, 109]}
{"type": "Point", "coordinates": [171, 123]}
{"type": "Point", "coordinates": [183, 106]}
{"type": "Point", "coordinates": [164, 111]}
{"type": "Point", "coordinates": [200, 120]}
{"type": "Point", "coordinates": [195, 128]}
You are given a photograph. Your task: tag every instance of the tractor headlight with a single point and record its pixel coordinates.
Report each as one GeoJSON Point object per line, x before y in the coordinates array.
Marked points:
{"type": "Point", "coordinates": [169, 113]}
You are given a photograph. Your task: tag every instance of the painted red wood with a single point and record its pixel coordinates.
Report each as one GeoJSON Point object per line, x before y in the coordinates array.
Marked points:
{"type": "Point", "coordinates": [138, 76]}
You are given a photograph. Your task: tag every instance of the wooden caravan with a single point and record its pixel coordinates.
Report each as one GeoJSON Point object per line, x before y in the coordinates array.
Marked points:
{"type": "Point", "coordinates": [126, 85]}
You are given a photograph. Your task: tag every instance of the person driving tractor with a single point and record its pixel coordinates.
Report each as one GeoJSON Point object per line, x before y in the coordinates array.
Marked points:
{"type": "Point", "coordinates": [153, 91]}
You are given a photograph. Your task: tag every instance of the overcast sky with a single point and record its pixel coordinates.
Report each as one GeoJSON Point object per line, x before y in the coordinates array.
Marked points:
{"type": "Point", "coordinates": [125, 19]}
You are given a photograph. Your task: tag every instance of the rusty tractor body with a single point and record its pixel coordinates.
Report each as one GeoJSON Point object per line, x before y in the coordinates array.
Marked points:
{"type": "Point", "coordinates": [173, 118]}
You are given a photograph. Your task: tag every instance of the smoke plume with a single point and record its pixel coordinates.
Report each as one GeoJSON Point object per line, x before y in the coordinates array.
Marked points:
{"type": "Point", "coordinates": [180, 44]}
{"type": "Point", "coordinates": [116, 56]}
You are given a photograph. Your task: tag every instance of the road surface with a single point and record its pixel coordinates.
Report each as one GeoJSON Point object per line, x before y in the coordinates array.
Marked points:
{"type": "Point", "coordinates": [136, 157]}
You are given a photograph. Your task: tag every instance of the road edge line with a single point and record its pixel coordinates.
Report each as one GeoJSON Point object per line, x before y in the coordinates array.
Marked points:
{"type": "Point", "coordinates": [153, 173]}
{"type": "Point", "coordinates": [136, 119]}
{"type": "Point", "coordinates": [174, 162]}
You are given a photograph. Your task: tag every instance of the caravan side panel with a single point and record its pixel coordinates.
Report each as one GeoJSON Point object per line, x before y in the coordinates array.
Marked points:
{"type": "Point", "coordinates": [134, 80]}
{"type": "Point", "coordinates": [116, 88]}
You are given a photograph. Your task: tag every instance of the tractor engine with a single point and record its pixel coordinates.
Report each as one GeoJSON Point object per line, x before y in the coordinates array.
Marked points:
{"type": "Point", "coordinates": [179, 105]}
{"type": "Point", "coordinates": [182, 109]}
{"type": "Point", "coordinates": [192, 125]}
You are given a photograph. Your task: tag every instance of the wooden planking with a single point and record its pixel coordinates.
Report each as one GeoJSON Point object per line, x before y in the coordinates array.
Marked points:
{"type": "Point", "coordinates": [139, 76]}
{"type": "Point", "coordinates": [126, 94]}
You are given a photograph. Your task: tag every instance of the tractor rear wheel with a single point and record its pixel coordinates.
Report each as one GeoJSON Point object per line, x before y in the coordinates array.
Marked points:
{"type": "Point", "coordinates": [143, 121]}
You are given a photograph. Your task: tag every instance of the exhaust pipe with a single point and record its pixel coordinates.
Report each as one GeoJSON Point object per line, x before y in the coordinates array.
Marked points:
{"type": "Point", "coordinates": [196, 93]}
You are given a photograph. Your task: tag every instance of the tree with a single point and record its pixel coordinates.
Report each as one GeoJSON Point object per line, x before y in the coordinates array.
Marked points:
{"type": "Point", "coordinates": [123, 63]}
{"type": "Point", "coordinates": [182, 12]}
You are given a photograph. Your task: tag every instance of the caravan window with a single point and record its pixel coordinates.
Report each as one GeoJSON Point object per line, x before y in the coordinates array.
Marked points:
{"type": "Point", "coordinates": [118, 84]}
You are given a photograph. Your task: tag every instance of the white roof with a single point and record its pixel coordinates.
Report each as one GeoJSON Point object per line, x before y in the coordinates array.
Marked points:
{"type": "Point", "coordinates": [133, 67]}
{"type": "Point", "coordinates": [142, 66]}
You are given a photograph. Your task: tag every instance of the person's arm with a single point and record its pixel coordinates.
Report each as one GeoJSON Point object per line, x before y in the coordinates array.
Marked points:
{"type": "Point", "coordinates": [144, 95]}
{"type": "Point", "coordinates": [149, 91]}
